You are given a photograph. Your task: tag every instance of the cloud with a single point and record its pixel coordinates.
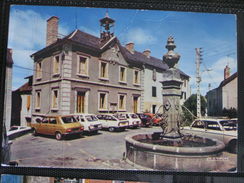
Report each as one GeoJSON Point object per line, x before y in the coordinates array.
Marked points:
{"type": "Point", "coordinates": [215, 76]}
{"type": "Point", "coordinates": [140, 36]}
{"type": "Point", "coordinates": [27, 30]}
{"type": "Point", "coordinates": [22, 58]}
{"type": "Point", "coordinates": [27, 34]}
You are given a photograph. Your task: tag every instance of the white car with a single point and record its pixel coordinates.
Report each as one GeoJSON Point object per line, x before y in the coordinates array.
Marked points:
{"type": "Point", "coordinates": [221, 129]}
{"type": "Point", "coordinates": [17, 131]}
{"type": "Point", "coordinates": [111, 122]}
{"type": "Point", "coordinates": [90, 122]}
{"type": "Point", "coordinates": [134, 120]}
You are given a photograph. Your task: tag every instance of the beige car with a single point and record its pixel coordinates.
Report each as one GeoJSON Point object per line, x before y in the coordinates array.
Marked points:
{"type": "Point", "coordinates": [221, 129]}
{"type": "Point", "coordinates": [57, 125]}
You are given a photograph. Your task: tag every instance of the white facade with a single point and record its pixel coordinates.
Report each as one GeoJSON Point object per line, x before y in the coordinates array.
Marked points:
{"type": "Point", "coordinates": [25, 108]}
{"type": "Point", "coordinates": [152, 101]}
{"type": "Point", "coordinates": [185, 91]}
{"type": "Point", "coordinates": [152, 79]}
{"type": "Point", "coordinates": [229, 94]}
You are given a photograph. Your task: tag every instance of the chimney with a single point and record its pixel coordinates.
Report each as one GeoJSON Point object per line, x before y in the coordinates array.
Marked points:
{"type": "Point", "coordinates": [226, 72]}
{"type": "Point", "coordinates": [130, 47]}
{"type": "Point", "coordinates": [147, 53]}
{"type": "Point", "coordinates": [52, 30]}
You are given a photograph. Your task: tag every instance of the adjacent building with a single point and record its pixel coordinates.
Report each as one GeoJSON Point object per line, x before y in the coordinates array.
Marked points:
{"type": "Point", "coordinates": [21, 104]}
{"type": "Point", "coordinates": [81, 73]}
{"type": "Point", "coordinates": [8, 90]}
{"type": "Point", "coordinates": [225, 96]}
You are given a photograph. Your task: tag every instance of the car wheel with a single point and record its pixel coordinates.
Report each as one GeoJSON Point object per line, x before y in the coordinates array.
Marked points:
{"type": "Point", "coordinates": [34, 132]}
{"type": "Point", "coordinates": [233, 146]}
{"type": "Point", "coordinates": [111, 129]}
{"type": "Point", "coordinates": [58, 136]}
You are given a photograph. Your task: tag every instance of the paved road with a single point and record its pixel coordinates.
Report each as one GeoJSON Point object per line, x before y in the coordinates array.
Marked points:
{"type": "Point", "coordinates": [104, 151]}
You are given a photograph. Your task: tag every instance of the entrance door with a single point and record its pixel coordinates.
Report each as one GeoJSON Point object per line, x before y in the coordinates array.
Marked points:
{"type": "Point", "coordinates": [153, 109]}
{"type": "Point", "coordinates": [135, 104]}
{"type": "Point", "coordinates": [80, 106]}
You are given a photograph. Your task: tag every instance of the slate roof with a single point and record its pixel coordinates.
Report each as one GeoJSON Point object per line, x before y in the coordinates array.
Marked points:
{"type": "Point", "coordinates": [85, 39]}
{"type": "Point", "coordinates": [94, 43]}
{"type": "Point", "coordinates": [25, 88]}
{"type": "Point", "coordinates": [229, 79]}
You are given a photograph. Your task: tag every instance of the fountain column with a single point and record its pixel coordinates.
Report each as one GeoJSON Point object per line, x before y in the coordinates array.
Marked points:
{"type": "Point", "coordinates": [171, 93]}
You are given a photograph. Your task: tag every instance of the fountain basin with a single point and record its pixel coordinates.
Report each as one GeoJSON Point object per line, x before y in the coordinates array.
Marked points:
{"type": "Point", "coordinates": [144, 150]}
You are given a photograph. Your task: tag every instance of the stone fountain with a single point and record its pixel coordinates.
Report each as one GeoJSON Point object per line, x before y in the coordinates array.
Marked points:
{"type": "Point", "coordinates": [170, 149]}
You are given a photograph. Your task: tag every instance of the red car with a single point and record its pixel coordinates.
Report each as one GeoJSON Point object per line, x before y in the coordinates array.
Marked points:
{"type": "Point", "coordinates": [155, 119]}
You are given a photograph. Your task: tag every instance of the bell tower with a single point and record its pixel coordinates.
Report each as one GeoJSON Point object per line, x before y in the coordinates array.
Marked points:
{"type": "Point", "coordinates": [106, 25]}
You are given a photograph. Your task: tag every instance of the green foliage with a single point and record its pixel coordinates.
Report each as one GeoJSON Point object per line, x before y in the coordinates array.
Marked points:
{"type": "Point", "coordinates": [231, 113]}
{"type": "Point", "coordinates": [191, 105]}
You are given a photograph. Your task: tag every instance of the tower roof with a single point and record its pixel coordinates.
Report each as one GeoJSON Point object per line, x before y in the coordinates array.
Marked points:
{"type": "Point", "coordinates": [107, 20]}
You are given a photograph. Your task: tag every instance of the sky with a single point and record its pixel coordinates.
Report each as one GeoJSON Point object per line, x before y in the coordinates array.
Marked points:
{"type": "Point", "coordinates": [148, 29]}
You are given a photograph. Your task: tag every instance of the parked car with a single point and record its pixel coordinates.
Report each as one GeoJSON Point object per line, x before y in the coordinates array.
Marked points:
{"type": "Point", "coordinates": [145, 119]}
{"type": "Point", "coordinates": [134, 120]}
{"type": "Point", "coordinates": [221, 129]}
{"type": "Point", "coordinates": [17, 131]}
{"type": "Point", "coordinates": [57, 125]}
{"type": "Point", "coordinates": [111, 122]}
{"type": "Point", "coordinates": [155, 119]}
{"type": "Point", "coordinates": [90, 122]}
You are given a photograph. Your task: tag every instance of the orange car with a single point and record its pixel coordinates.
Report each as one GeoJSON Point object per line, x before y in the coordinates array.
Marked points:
{"type": "Point", "coordinates": [58, 125]}
{"type": "Point", "coordinates": [155, 119]}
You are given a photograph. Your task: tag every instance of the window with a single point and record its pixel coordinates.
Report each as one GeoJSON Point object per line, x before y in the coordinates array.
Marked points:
{"type": "Point", "coordinates": [83, 66]}
{"type": "Point", "coordinates": [136, 77]}
{"type": "Point", "coordinates": [54, 99]}
{"type": "Point", "coordinates": [56, 65]}
{"type": "Point", "coordinates": [38, 70]}
{"type": "Point", "coordinates": [80, 105]}
{"type": "Point", "coordinates": [52, 121]}
{"type": "Point", "coordinates": [103, 70]}
{"type": "Point", "coordinates": [198, 124]}
{"type": "Point", "coordinates": [28, 102]}
{"type": "Point", "coordinates": [122, 74]}
{"type": "Point", "coordinates": [154, 91]}
{"type": "Point", "coordinates": [45, 120]}
{"type": "Point", "coordinates": [183, 95]}
{"type": "Point", "coordinates": [212, 125]}
{"type": "Point", "coordinates": [122, 102]}
{"type": "Point", "coordinates": [184, 83]}
{"type": "Point", "coordinates": [102, 101]}
{"type": "Point", "coordinates": [154, 75]}
{"type": "Point", "coordinates": [38, 99]}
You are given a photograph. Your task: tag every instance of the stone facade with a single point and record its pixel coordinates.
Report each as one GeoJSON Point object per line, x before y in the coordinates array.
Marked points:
{"type": "Point", "coordinates": [95, 75]}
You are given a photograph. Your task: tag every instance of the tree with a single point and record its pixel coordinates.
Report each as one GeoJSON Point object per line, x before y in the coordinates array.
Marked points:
{"type": "Point", "coordinates": [231, 113]}
{"type": "Point", "coordinates": [191, 105]}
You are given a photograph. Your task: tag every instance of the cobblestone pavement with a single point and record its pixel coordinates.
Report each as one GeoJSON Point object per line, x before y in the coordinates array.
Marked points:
{"type": "Point", "coordinates": [104, 150]}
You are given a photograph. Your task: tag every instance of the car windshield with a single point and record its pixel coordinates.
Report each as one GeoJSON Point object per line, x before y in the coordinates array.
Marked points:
{"type": "Point", "coordinates": [69, 119]}
{"type": "Point", "coordinates": [91, 118]}
{"type": "Point", "coordinates": [229, 124]}
{"type": "Point", "coordinates": [120, 116]}
{"type": "Point", "coordinates": [111, 118]}
{"type": "Point", "coordinates": [13, 128]}
{"type": "Point", "coordinates": [134, 116]}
